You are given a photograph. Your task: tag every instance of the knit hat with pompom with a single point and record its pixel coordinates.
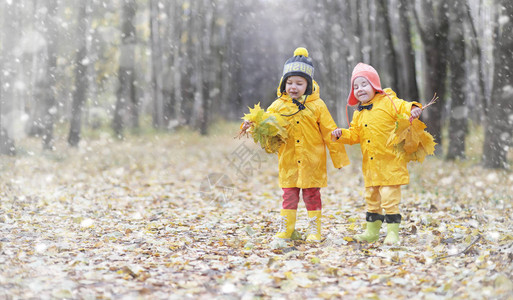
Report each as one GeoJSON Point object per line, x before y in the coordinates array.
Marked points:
{"type": "Point", "coordinates": [301, 65]}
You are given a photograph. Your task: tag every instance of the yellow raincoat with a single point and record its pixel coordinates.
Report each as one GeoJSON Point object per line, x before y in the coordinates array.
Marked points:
{"type": "Point", "coordinates": [371, 128]}
{"type": "Point", "coordinates": [302, 159]}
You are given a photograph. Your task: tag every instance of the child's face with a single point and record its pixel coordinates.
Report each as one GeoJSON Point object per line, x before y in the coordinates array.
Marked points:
{"type": "Point", "coordinates": [295, 86]}
{"type": "Point", "coordinates": [363, 90]}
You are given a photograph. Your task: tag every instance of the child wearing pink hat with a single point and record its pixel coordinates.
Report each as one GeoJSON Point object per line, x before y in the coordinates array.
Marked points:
{"type": "Point", "coordinates": [383, 170]}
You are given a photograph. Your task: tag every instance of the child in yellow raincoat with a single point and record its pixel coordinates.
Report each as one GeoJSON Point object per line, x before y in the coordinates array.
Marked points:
{"type": "Point", "coordinates": [302, 158]}
{"type": "Point", "coordinates": [383, 170]}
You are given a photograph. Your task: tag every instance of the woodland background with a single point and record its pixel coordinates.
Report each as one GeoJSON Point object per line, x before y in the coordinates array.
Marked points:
{"type": "Point", "coordinates": [120, 177]}
{"type": "Point", "coordinates": [125, 64]}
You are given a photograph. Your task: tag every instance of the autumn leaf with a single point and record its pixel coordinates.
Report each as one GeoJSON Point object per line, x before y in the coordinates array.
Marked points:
{"type": "Point", "coordinates": [267, 129]}
{"type": "Point", "coordinates": [120, 224]}
{"type": "Point", "coordinates": [410, 140]}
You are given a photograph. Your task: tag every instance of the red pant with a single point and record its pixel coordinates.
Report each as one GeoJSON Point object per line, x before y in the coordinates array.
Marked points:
{"type": "Point", "coordinates": [311, 196]}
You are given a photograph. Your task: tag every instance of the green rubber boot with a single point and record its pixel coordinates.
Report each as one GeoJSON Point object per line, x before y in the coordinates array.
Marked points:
{"type": "Point", "coordinates": [393, 222]}
{"type": "Point", "coordinates": [392, 234]}
{"type": "Point", "coordinates": [371, 234]}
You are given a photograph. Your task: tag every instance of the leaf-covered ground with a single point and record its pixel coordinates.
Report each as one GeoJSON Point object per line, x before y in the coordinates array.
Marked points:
{"type": "Point", "coordinates": [177, 216]}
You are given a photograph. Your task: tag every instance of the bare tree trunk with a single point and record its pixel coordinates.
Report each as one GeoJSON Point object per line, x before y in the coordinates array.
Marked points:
{"type": "Point", "coordinates": [170, 48]}
{"type": "Point", "coordinates": [92, 112]}
{"type": "Point", "coordinates": [327, 61]}
{"type": "Point", "coordinates": [80, 93]}
{"type": "Point", "coordinates": [458, 113]}
{"type": "Point", "coordinates": [6, 143]}
{"type": "Point", "coordinates": [208, 65]}
{"type": "Point", "coordinates": [172, 80]}
{"type": "Point", "coordinates": [477, 48]}
{"type": "Point", "coordinates": [50, 102]}
{"type": "Point", "coordinates": [229, 109]}
{"type": "Point", "coordinates": [156, 65]}
{"type": "Point", "coordinates": [434, 37]}
{"type": "Point", "coordinates": [235, 97]}
{"type": "Point", "coordinates": [43, 119]}
{"type": "Point", "coordinates": [349, 63]}
{"type": "Point", "coordinates": [10, 25]}
{"type": "Point", "coordinates": [407, 77]}
{"type": "Point", "coordinates": [177, 89]}
{"type": "Point", "coordinates": [187, 58]}
{"type": "Point", "coordinates": [388, 57]}
{"type": "Point", "coordinates": [199, 16]}
{"type": "Point", "coordinates": [499, 125]}
{"type": "Point", "coordinates": [126, 90]}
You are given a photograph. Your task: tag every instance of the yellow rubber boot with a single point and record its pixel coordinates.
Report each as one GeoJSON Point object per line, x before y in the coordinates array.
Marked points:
{"type": "Point", "coordinates": [287, 223]}
{"type": "Point", "coordinates": [314, 226]}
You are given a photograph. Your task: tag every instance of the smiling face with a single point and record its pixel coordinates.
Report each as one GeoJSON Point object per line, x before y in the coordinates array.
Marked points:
{"type": "Point", "coordinates": [363, 90]}
{"type": "Point", "coordinates": [295, 86]}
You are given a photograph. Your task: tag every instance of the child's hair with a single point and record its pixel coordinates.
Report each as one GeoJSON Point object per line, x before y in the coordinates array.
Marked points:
{"type": "Point", "coordinates": [369, 73]}
{"type": "Point", "coordinates": [301, 65]}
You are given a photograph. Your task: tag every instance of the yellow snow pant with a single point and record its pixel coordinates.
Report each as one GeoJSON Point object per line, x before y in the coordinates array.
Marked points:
{"type": "Point", "coordinates": [386, 197]}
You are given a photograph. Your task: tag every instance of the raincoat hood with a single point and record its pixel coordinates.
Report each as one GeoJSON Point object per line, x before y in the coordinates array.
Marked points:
{"type": "Point", "coordinates": [369, 73]}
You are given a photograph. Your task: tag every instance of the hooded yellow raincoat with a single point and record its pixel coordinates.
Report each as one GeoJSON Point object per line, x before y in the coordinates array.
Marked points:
{"type": "Point", "coordinates": [372, 128]}
{"type": "Point", "coordinates": [302, 159]}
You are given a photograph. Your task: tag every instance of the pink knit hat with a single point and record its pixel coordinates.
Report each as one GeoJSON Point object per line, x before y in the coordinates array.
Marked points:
{"type": "Point", "coordinates": [369, 73]}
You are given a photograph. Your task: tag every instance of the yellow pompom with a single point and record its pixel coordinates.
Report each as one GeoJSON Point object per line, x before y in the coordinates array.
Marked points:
{"type": "Point", "coordinates": [301, 51]}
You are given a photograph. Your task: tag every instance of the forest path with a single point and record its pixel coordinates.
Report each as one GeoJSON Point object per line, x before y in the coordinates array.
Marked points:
{"type": "Point", "coordinates": [172, 216]}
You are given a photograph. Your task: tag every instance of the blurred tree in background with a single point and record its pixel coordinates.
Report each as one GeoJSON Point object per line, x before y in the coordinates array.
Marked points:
{"type": "Point", "coordinates": [176, 63]}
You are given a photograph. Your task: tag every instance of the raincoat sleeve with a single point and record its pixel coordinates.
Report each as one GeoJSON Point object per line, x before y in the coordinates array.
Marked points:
{"type": "Point", "coordinates": [405, 106]}
{"type": "Point", "coordinates": [351, 136]}
{"type": "Point", "coordinates": [402, 105]}
{"type": "Point", "coordinates": [337, 150]}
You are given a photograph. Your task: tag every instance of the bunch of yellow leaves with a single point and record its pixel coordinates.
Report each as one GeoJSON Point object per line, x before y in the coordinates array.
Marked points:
{"type": "Point", "coordinates": [267, 129]}
{"type": "Point", "coordinates": [411, 140]}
